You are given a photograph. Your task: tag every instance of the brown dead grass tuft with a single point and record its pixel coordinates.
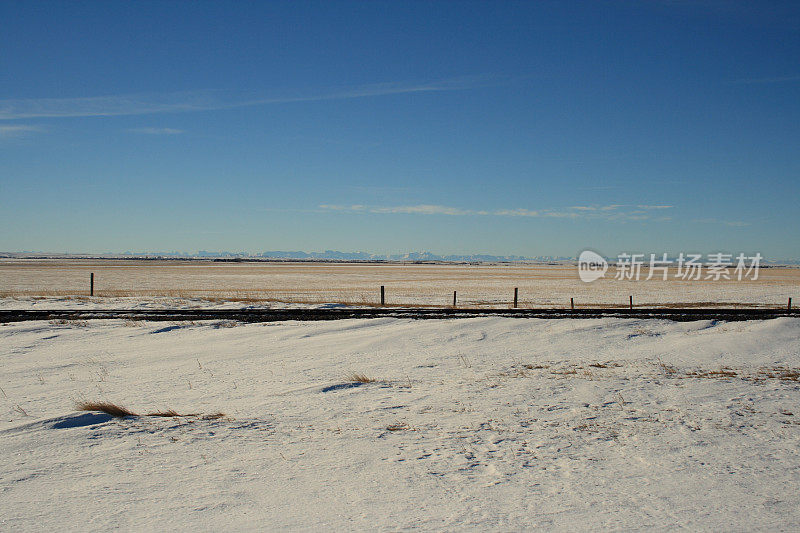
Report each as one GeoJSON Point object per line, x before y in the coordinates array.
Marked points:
{"type": "Point", "coordinates": [566, 372]}
{"type": "Point", "coordinates": [360, 378]}
{"type": "Point", "coordinates": [167, 413]}
{"type": "Point", "coordinates": [780, 372]}
{"type": "Point", "coordinates": [73, 323]}
{"type": "Point", "coordinates": [666, 368]}
{"type": "Point", "coordinates": [122, 412]}
{"type": "Point", "coordinates": [721, 373]}
{"type": "Point", "coordinates": [170, 413]}
{"type": "Point", "coordinates": [105, 407]}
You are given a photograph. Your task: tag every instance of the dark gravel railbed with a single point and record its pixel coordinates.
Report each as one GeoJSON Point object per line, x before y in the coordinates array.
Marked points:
{"type": "Point", "coordinates": [339, 313]}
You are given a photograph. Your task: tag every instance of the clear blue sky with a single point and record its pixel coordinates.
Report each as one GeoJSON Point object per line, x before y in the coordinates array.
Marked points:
{"type": "Point", "coordinates": [530, 128]}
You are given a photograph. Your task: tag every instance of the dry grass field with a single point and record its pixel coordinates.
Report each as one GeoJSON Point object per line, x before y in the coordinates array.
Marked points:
{"type": "Point", "coordinates": [486, 285]}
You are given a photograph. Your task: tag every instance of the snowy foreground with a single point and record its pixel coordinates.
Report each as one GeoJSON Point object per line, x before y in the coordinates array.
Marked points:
{"type": "Point", "coordinates": [486, 423]}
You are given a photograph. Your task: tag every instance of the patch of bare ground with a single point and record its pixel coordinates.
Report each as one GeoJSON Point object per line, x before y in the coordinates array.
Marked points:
{"type": "Point", "coordinates": [614, 369]}
{"type": "Point", "coordinates": [72, 323]}
{"type": "Point", "coordinates": [781, 373]}
{"type": "Point", "coordinates": [721, 373]}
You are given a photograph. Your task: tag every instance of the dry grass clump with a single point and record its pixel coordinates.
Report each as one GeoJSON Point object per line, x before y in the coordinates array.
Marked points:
{"type": "Point", "coordinates": [515, 372]}
{"type": "Point", "coordinates": [566, 372]}
{"type": "Point", "coordinates": [65, 322]}
{"type": "Point", "coordinates": [170, 413]}
{"type": "Point", "coordinates": [723, 372]}
{"type": "Point", "coordinates": [105, 407]}
{"type": "Point", "coordinates": [780, 372]}
{"type": "Point", "coordinates": [589, 371]}
{"type": "Point", "coordinates": [535, 367]}
{"type": "Point", "coordinates": [643, 332]}
{"type": "Point", "coordinates": [166, 414]}
{"type": "Point", "coordinates": [122, 412]}
{"type": "Point", "coordinates": [666, 368]}
{"type": "Point", "coordinates": [360, 378]}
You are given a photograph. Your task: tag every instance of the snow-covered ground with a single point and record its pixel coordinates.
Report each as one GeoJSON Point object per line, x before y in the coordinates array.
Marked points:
{"type": "Point", "coordinates": [488, 423]}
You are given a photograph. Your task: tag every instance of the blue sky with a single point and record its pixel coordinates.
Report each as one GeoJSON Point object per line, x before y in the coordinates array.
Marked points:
{"type": "Point", "coordinates": [529, 128]}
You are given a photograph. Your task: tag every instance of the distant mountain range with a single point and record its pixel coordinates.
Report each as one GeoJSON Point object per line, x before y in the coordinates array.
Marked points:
{"type": "Point", "coordinates": [365, 256]}
{"type": "Point", "coordinates": [327, 255]}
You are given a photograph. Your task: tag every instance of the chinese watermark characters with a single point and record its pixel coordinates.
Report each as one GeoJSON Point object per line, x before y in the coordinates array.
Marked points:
{"type": "Point", "coordinates": [687, 267]}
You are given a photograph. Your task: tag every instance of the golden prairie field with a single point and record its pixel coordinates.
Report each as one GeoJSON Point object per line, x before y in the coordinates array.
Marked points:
{"type": "Point", "coordinates": [482, 285]}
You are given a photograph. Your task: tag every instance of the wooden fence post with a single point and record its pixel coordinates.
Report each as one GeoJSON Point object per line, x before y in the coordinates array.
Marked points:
{"type": "Point", "coordinates": [383, 295]}
{"type": "Point", "coordinates": [572, 303]}
{"type": "Point", "coordinates": [516, 292]}
{"type": "Point", "coordinates": [631, 301]}
{"type": "Point", "coordinates": [454, 298]}
{"type": "Point", "coordinates": [91, 284]}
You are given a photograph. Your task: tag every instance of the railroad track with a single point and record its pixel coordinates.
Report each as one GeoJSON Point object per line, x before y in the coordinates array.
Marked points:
{"type": "Point", "coordinates": [339, 313]}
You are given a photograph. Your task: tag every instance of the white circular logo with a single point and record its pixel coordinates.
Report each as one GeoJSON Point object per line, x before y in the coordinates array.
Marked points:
{"type": "Point", "coordinates": [591, 266]}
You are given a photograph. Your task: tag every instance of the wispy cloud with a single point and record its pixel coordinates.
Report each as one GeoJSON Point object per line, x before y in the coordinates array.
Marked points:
{"type": "Point", "coordinates": [542, 213]}
{"type": "Point", "coordinates": [143, 104]}
{"type": "Point", "coordinates": [596, 208]}
{"type": "Point", "coordinates": [336, 207]}
{"type": "Point", "coordinates": [732, 223]}
{"type": "Point", "coordinates": [18, 130]}
{"type": "Point", "coordinates": [156, 131]}
{"type": "Point", "coordinates": [519, 212]}
{"type": "Point", "coordinates": [655, 206]}
{"type": "Point", "coordinates": [607, 212]}
{"type": "Point", "coordinates": [426, 209]}
{"type": "Point", "coordinates": [422, 209]}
